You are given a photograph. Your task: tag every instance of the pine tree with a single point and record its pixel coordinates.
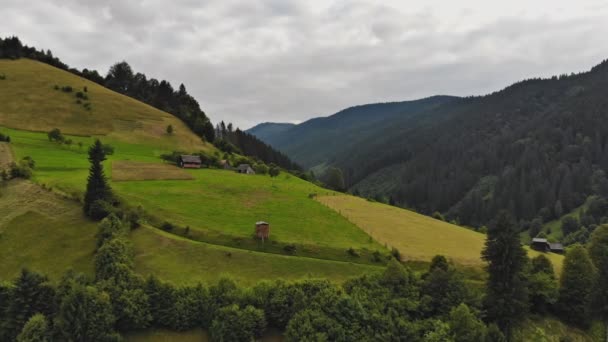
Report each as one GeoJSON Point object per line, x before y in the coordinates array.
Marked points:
{"type": "Point", "coordinates": [97, 185]}
{"type": "Point", "coordinates": [506, 299]}
{"type": "Point", "coordinates": [576, 287]}
{"type": "Point", "coordinates": [598, 250]}
{"type": "Point", "coordinates": [31, 294]}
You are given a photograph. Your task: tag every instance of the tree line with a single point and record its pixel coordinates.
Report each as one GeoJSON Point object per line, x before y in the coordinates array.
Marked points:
{"type": "Point", "coordinates": [397, 304]}
{"type": "Point", "coordinates": [232, 140]}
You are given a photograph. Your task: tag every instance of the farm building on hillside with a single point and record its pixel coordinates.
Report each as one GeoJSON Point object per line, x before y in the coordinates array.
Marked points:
{"type": "Point", "coordinates": [224, 164]}
{"type": "Point", "coordinates": [189, 161]}
{"type": "Point", "coordinates": [262, 230]}
{"type": "Point", "coordinates": [543, 245]}
{"type": "Point", "coordinates": [245, 169]}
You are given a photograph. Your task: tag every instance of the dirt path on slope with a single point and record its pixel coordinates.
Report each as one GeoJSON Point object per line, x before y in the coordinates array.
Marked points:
{"type": "Point", "coordinates": [6, 156]}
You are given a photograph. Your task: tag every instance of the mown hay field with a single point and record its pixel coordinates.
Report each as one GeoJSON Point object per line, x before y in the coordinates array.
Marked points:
{"type": "Point", "coordinates": [416, 236]}
{"type": "Point", "coordinates": [123, 170]}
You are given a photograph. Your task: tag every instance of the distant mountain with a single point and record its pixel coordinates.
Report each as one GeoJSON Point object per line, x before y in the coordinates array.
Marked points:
{"type": "Point", "coordinates": [266, 131]}
{"type": "Point", "coordinates": [318, 141]}
{"type": "Point", "coordinates": [538, 149]}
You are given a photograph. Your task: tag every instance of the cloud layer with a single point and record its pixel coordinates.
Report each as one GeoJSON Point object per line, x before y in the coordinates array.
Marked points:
{"type": "Point", "coordinates": [279, 60]}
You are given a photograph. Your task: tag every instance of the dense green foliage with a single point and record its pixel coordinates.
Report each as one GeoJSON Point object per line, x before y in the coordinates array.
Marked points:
{"type": "Point", "coordinates": [35, 330]}
{"type": "Point", "coordinates": [228, 139]}
{"type": "Point", "coordinates": [122, 79]}
{"type": "Point", "coordinates": [506, 299]}
{"type": "Point", "coordinates": [536, 148]}
{"type": "Point", "coordinates": [577, 283]}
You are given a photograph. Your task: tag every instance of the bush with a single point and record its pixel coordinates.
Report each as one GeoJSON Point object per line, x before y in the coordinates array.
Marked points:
{"type": "Point", "coordinates": [290, 249]}
{"type": "Point", "coordinates": [100, 209]}
{"type": "Point", "coordinates": [67, 89]}
{"type": "Point", "coordinates": [55, 135]}
{"type": "Point", "coordinates": [352, 252]}
{"type": "Point", "coordinates": [20, 170]}
{"type": "Point", "coordinates": [569, 225]}
{"type": "Point", "coordinates": [81, 95]}
{"type": "Point", "coordinates": [437, 215]}
{"type": "Point", "coordinates": [2, 76]}
{"type": "Point", "coordinates": [5, 138]}
{"type": "Point", "coordinates": [167, 226]}
{"type": "Point", "coordinates": [376, 256]}
{"type": "Point", "coordinates": [396, 254]}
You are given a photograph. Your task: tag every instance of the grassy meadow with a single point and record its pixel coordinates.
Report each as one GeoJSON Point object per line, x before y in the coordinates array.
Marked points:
{"type": "Point", "coordinates": [29, 101]}
{"type": "Point", "coordinates": [42, 231]}
{"type": "Point", "coordinates": [417, 237]}
{"type": "Point", "coordinates": [184, 261]}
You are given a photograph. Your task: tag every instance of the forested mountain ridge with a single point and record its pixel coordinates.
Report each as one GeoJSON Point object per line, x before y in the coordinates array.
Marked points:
{"type": "Point", "coordinates": [268, 130]}
{"type": "Point", "coordinates": [318, 141]}
{"type": "Point", "coordinates": [537, 148]}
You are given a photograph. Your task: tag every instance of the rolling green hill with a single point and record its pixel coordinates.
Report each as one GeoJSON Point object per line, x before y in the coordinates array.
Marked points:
{"type": "Point", "coordinates": [29, 101]}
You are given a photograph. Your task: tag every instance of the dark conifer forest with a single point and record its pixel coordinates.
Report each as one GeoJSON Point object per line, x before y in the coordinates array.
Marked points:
{"type": "Point", "coordinates": [537, 148]}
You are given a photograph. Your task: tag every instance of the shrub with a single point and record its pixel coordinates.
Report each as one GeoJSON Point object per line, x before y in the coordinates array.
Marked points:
{"type": "Point", "coordinates": [85, 89]}
{"type": "Point", "coordinates": [290, 249]}
{"type": "Point", "coordinates": [87, 106]}
{"type": "Point", "coordinates": [2, 76]}
{"type": "Point", "coordinates": [396, 254]}
{"type": "Point", "coordinates": [167, 226]}
{"type": "Point", "coordinates": [99, 209]}
{"type": "Point", "coordinates": [55, 135]}
{"type": "Point", "coordinates": [437, 215]}
{"type": "Point", "coordinates": [20, 170]}
{"type": "Point", "coordinates": [67, 89]}
{"type": "Point", "coordinates": [81, 95]}
{"type": "Point", "coordinates": [352, 252]}
{"type": "Point", "coordinates": [5, 138]}
{"type": "Point", "coordinates": [56, 87]}
{"type": "Point", "coordinates": [376, 256]}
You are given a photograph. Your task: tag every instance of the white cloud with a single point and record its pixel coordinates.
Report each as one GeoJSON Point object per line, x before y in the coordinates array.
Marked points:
{"type": "Point", "coordinates": [286, 61]}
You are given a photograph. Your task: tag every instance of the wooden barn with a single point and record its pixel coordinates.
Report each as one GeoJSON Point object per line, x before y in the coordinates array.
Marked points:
{"type": "Point", "coordinates": [245, 169]}
{"type": "Point", "coordinates": [543, 245]}
{"type": "Point", "coordinates": [189, 162]}
{"type": "Point", "coordinates": [262, 230]}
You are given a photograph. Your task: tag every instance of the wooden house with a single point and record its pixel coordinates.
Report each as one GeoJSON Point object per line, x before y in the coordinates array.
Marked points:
{"type": "Point", "coordinates": [543, 245]}
{"type": "Point", "coordinates": [262, 230]}
{"type": "Point", "coordinates": [189, 162]}
{"type": "Point", "coordinates": [245, 169]}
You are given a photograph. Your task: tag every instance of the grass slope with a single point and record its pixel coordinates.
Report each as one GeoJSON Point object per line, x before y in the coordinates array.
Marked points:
{"type": "Point", "coordinates": [29, 101]}
{"type": "Point", "coordinates": [417, 237]}
{"type": "Point", "coordinates": [215, 201]}
{"type": "Point", "coordinates": [42, 231]}
{"type": "Point", "coordinates": [184, 261]}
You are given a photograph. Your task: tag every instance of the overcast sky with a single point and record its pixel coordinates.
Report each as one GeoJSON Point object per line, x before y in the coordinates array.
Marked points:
{"type": "Point", "coordinates": [253, 61]}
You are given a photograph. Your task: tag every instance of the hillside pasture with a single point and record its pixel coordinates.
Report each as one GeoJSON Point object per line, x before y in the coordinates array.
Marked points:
{"type": "Point", "coordinates": [416, 236]}
{"type": "Point", "coordinates": [42, 231]}
{"type": "Point", "coordinates": [29, 101]}
{"type": "Point", "coordinates": [123, 170]}
{"type": "Point", "coordinates": [184, 261]}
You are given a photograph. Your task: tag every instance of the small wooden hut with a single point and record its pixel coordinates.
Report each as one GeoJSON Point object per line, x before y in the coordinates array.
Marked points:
{"type": "Point", "coordinates": [262, 230]}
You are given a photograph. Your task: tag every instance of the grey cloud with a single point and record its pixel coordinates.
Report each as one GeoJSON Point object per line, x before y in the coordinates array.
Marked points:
{"type": "Point", "coordinates": [276, 60]}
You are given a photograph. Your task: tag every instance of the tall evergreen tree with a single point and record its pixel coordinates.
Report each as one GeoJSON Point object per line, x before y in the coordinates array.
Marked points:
{"type": "Point", "coordinates": [598, 250]}
{"type": "Point", "coordinates": [506, 299]}
{"type": "Point", "coordinates": [30, 295]}
{"type": "Point", "coordinates": [98, 188]}
{"type": "Point", "coordinates": [576, 287]}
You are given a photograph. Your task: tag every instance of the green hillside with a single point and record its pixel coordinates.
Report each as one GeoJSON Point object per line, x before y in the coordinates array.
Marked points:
{"type": "Point", "coordinates": [29, 101]}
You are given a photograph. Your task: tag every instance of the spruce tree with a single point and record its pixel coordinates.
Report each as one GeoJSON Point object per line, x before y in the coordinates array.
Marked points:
{"type": "Point", "coordinates": [97, 184]}
{"type": "Point", "coordinates": [506, 299]}
{"type": "Point", "coordinates": [598, 250]}
{"type": "Point", "coordinates": [30, 295]}
{"type": "Point", "coordinates": [576, 287]}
